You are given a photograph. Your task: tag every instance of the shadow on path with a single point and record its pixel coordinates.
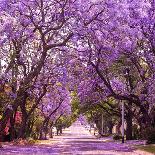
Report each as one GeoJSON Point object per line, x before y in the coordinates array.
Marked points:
{"type": "Point", "coordinates": [75, 141]}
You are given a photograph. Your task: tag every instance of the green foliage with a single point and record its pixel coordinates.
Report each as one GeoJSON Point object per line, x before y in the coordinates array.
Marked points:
{"type": "Point", "coordinates": [36, 126]}
{"type": "Point", "coordinates": [149, 135]}
{"type": "Point", "coordinates": [4, 100]}
{"type": "Point", "coordinates": [75, 104]}
{"type": "Point", "coordinates": [64, 121]}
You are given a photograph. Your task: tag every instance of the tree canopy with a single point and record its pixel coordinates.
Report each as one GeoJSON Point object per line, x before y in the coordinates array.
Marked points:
{"type": "Point", "coordinates": [102, 50]}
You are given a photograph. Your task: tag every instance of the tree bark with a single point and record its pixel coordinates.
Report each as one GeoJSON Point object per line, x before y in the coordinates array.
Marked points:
{"type": "Point", "coordinates": [110, 126]}
{"type": "Point", "coordinates": [129, 127]}
{"type": "Point", "coordinates": [44, 128]}
{"type": "Point", "coordinates": [51, 130]}
{"type": "Point", "coordinates": [23, 128]}
{"type": "Point", "coordinates": [12, 127]}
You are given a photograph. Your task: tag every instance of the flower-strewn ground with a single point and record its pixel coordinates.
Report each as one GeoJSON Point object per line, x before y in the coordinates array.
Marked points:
{"type": "Point", "coordinates": [75, 141]}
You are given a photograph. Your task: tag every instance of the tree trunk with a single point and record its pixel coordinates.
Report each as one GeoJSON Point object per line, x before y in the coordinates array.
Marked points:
{"type": "Point", "coordinates": [51, 130]}
{"type": "Point", "coordinates": [43, 130]}
{"type": "Point", "coordinates": [60, 129]}
{"type": "Point", "coordinates": [41, 134]}
{"type": "Point", "coordinates": [46, 129]}
{"type": "Point", "coordinates": [30, 127]}
{"type": "Point", "coordinates": [12, 127]}
{"type": "Point", "coordinates": [110, 126]}
{"type": "Point", "coordinates": [129, 127]}
{"type": "Point", "coordinates": [118, 126]}
{"type": "Point", "coordinates": [23, 128]}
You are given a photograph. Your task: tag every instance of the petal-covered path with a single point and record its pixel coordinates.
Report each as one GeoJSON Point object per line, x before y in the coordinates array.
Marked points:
{"type": "Point", "coordinates": [75, 141]}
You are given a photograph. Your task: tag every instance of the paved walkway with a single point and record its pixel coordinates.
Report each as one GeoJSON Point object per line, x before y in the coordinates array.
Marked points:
{"type": "Point", "coordinates": [76, 140]}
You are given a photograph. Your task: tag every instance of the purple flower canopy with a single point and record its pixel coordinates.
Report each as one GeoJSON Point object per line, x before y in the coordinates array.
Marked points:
{"type": "Point", "coordinates": [52, 48]}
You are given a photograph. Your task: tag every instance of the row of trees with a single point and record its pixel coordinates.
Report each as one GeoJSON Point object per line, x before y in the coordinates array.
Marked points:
{"type": "Point", "coordinates": [118, 47]}
{"type": "Point", "coordinates": [34, 34]}
{"type": "Point", "coordinates": [54, 109]}
{"type": "Point", "coordinates": [103, 50]}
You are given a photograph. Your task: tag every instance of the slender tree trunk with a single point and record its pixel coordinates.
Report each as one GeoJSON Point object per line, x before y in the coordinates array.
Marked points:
{"type": "Point", "coordinates": [51, 131]}
{"type": "Point", "coordinates": [43, 130]}
{"type": "Point", "coordinates": [23, 128]}
{"type": "Point", "coordinates": [12, 127]}
{"type": "Point", "coordinates": [129, 117]}
{"type": "Point", "coordinates": [46, 129]}
{"type": "Point", "coordinates": [57, 131]}
{"type": "Point", "coordinates": [60, 129]}
{"type": "Point", "coordinates": [41, 134]}
{"type": "Point", "coordinates": [118, 127]}
{"type": "Point", "coordinates": [129, 127]}
{"type": "Point", "coordinates": [30, 127]}
{"type": "Point", "coordinates": [110, 126]}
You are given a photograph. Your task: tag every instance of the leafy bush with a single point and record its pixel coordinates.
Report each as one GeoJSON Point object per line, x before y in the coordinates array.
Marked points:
{"type": "Point", "coordinates": [31, 142]}
{"type": "Point", "coordinates": [117, 137]}
{"type": "Point", "coordinates": [149, 135]}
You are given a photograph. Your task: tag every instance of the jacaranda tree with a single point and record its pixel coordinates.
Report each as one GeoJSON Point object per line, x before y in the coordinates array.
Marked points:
{"type": "Point", "coordinates": [104, 50]}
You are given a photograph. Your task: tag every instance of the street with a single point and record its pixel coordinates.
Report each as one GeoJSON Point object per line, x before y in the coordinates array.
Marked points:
{"type": "Point", "coordinates": [75, 140]}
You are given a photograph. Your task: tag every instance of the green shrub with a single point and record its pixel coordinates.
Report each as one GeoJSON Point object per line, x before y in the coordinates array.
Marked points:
{"type": "Point", "coordinates": [149, 135]}
{"type": "Point", "coordinates": [117, 137]}
{"type": "Point", "coordinates": [31, 142]}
